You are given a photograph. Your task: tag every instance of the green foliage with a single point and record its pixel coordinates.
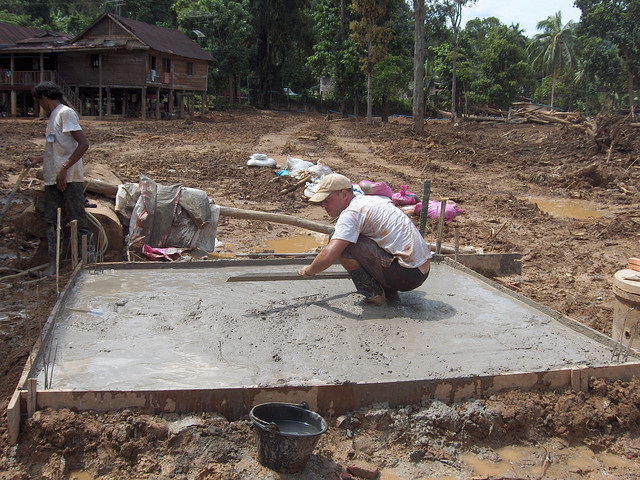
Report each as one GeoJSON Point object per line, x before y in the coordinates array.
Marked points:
{"type": "Point", "coordinates": [155, 12]}
{"type": "Point", "coordinates": [279, 25]}
{"type": "Point", "coordinates": [222, 28]}
{"type": "Point", "coordinates": [554, 50]}
{"type": "Point", "coordinates": [492, 67]}
{"type": "Point", "coordinates": [391, 76]}
{"type": "Point", "coordinates": [334, 53]}
{"type": "Point", "coordinates": [610, 28]}
{"type": "Point", "coordinates": [18, 20]}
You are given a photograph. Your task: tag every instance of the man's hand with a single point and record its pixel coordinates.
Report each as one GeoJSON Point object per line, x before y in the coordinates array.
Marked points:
{"type": "Point", "coordinates": [304, 272]}
{"type": "Point", "coordinates": [61, 179]}
{"type": "Point", "coordinates": [32, 160]}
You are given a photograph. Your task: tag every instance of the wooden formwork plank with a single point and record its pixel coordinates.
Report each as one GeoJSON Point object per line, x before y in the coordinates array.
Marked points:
{"type": "Point", "coordinates": [234, 403]}
{"type": "Point", "coordinates": [13, 418]}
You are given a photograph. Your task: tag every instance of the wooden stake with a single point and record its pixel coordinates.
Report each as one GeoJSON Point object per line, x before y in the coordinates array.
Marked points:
{"type": "Point", "coordinates": [85, 251]}
{"type": "Point", "coordinates": [426, 191]}
{"type": "Point", "coordinates": [32, 396]}
{"type": "Point", "coordinates": [74, 244]}
{"type": "Point", "coordinates": [443, 204]}
{"type": "Point", "coordinates": [58, 232]}
{"type": "Point", "coordinates": [456, 235]}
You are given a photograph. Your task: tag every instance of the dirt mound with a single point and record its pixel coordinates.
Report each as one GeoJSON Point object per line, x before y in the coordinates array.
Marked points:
{"type": "Point", "coordinates": [498, 173]}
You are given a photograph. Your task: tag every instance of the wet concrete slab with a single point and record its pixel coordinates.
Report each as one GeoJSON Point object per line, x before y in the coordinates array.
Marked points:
{"type": "Point", "coordinates": [184, 328]}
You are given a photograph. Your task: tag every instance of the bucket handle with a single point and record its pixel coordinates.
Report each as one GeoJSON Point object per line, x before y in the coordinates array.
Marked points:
{"type": "Point", "coordinates": [267, 425]}
{"type": "Point", "coordinates": [274, 426]}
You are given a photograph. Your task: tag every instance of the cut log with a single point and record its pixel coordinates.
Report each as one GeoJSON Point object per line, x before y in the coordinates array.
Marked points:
{"type": "Point", "coordinates": [477, 118]}
{"type": "Point", "coordinates": [101, 187]}
{"type": "Point", "coordinates": [302, 223]}
{"type": "Point", "coordinates": [534, 119]}
{"type": "Point", "coordinates": [99, 178]}
{"type": "Point", "coordinates": [554, 119]}
{"type": "Point", "coordinates": [276, 218]}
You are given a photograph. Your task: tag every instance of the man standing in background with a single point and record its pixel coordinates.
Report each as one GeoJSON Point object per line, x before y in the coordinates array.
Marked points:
{"type": "Point", "coordinates": [62, 167]}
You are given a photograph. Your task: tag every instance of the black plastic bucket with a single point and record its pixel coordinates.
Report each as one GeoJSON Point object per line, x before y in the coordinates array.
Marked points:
{"type": "Point", "coordinates": [286, 434]}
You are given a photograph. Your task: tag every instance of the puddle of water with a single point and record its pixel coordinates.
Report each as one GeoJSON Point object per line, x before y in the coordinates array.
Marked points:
{"type": "Point", "coordinates": [485, 468]}
{"type": "Point", "coordinates": [567, 207]}
{"type": "Point", "coordinates": [528, 461]}
{"type": "Point", "coordinates": [297, 243]}
{"type": "Point", "coordinates": [220, 255]}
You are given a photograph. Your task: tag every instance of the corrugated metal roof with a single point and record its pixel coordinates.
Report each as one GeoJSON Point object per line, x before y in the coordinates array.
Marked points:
{"type": "Point", "coordinates": [12, 34]}
{"type": "Point", "coordinates": [15, 36]}
{"type": "Point", "coordinates": [163, 39]}
{"type": "Point", "coordinates": [167, 40]}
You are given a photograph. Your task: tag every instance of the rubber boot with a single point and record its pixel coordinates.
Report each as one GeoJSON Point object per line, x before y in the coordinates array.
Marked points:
{"type": "Point", "coordinates": [392, 296]}
{"type": "Point", "coordinates": [50, 270]}
{"type": "Point", "coordinates": [367, 286]}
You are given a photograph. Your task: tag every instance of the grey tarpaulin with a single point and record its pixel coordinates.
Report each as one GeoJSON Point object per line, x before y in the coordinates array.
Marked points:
{"type": "Point", "coordinates": [170, 216]}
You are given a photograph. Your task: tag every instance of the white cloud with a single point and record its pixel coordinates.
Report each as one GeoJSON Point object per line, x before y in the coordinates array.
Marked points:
{"type": "Point", "coordinates": [526, 13]}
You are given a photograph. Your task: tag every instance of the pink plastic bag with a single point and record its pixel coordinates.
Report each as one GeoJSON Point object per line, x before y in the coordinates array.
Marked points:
{"type": "Point", "coordinates": [167, 253]}
{"type": "Point", "coordinates": [375, 188]}
{"type": "Point", "coordinates": [404, 198]}
{"type": "Point", "coordinates": [451, 210]}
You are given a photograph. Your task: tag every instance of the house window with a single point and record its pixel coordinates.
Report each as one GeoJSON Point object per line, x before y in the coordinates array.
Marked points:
{"type": "Point", "coordinates": [95, 60]}
{"type": "Point", "coordinates": [167, 65]}
{"type": "Point", "coordinates": [190, 68]}
{"type": "Point", "coordinates": [152, 62]}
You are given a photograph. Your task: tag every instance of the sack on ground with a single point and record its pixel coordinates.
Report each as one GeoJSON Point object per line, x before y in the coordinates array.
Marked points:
{"type": "Point", "coordinates": [375, 188]}
{"type": "Point", "coordinates": [404, 197]}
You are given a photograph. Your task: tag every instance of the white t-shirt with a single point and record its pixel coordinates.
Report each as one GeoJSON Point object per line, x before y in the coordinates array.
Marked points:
{"type": "Point", "coordinates": [60, 144]}
{"type": "Point", "coordinates": [377, 218]}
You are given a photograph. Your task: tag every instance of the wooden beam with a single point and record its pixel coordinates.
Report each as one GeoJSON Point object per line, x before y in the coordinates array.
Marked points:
{"type": "Point", "coordinates": [491, 264]}
{"type": "Point", "coordinates": [288, 276]}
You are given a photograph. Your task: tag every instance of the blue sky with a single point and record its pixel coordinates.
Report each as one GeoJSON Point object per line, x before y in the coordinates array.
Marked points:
{"type": "Point", "coordinates": [527, 13]}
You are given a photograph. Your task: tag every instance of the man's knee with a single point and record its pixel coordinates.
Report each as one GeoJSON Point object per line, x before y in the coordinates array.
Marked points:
{"type": "Point", "coordinates": [349, 263]}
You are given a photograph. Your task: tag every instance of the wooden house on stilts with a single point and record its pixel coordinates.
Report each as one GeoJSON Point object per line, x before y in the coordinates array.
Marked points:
{"type": "Point", "coordinates": [116, 66]}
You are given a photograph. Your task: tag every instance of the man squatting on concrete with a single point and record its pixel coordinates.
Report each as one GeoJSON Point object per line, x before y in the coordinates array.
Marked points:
{"type": "Point", "coordinates": [62, 168]}
{"type": "Point", "coordinates": [378, 245]}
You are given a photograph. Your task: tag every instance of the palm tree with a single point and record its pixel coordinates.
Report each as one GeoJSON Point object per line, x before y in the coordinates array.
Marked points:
{"type": "Point", "coordinates": [554, 49]}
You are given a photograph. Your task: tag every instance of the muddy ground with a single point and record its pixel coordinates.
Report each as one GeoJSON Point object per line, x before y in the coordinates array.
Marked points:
{"type": "Point", "coordinates": [492, 170]}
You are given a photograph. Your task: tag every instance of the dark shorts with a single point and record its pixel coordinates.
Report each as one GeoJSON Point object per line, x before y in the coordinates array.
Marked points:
{"type": "Point", "coordinates": [383, 266]}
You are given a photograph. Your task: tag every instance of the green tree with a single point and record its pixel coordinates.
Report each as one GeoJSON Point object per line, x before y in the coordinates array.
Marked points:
{"type": "Point", "coordinates": [554, 50]}
{"type": "Point", "coordinates": [334, 53]}
{"type": "Point", "coordinates": [279, 26]}
{"type": "Point", "coordinates": [612, 24]}
{"type": "Point", "coordinates": [497, 69]}
{"type": "Point", "coordinates": [221, 27]}
{"type": "Point", "coordinates": [155, 12]}
{"type": "Point", "coordinates": [453, 11]}
{"type": "Point", "coordinates": [420, 13]}
{"type": "Point", "coordinates": [372, 31]}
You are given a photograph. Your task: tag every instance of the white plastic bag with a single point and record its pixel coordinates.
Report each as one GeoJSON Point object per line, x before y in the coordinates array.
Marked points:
{"type": "Point", "coordinates": [260, 160]}
{"type": "Point", "coordinates": [319, 170]}
{"type": "Point", "coordinates": [297, 166]}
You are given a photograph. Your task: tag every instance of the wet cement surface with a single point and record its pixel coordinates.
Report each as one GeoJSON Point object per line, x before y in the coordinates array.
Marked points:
{"type": "Point", "coordinates": [186, 328]}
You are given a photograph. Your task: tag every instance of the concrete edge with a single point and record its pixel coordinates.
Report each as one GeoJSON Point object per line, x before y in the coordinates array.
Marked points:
{"type": "Point", "coordinates": [332, 400]}
{"type": "Point", "coordinates": [563, 319]}
{"type": "Point", "coordinates": [327, 399]}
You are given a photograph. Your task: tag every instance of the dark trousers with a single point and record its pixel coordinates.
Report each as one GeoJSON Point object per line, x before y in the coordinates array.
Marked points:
{"type": "Point", "coordinates": [73, 200]}
{"type": "Point", "coordinates": [383, 266]}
